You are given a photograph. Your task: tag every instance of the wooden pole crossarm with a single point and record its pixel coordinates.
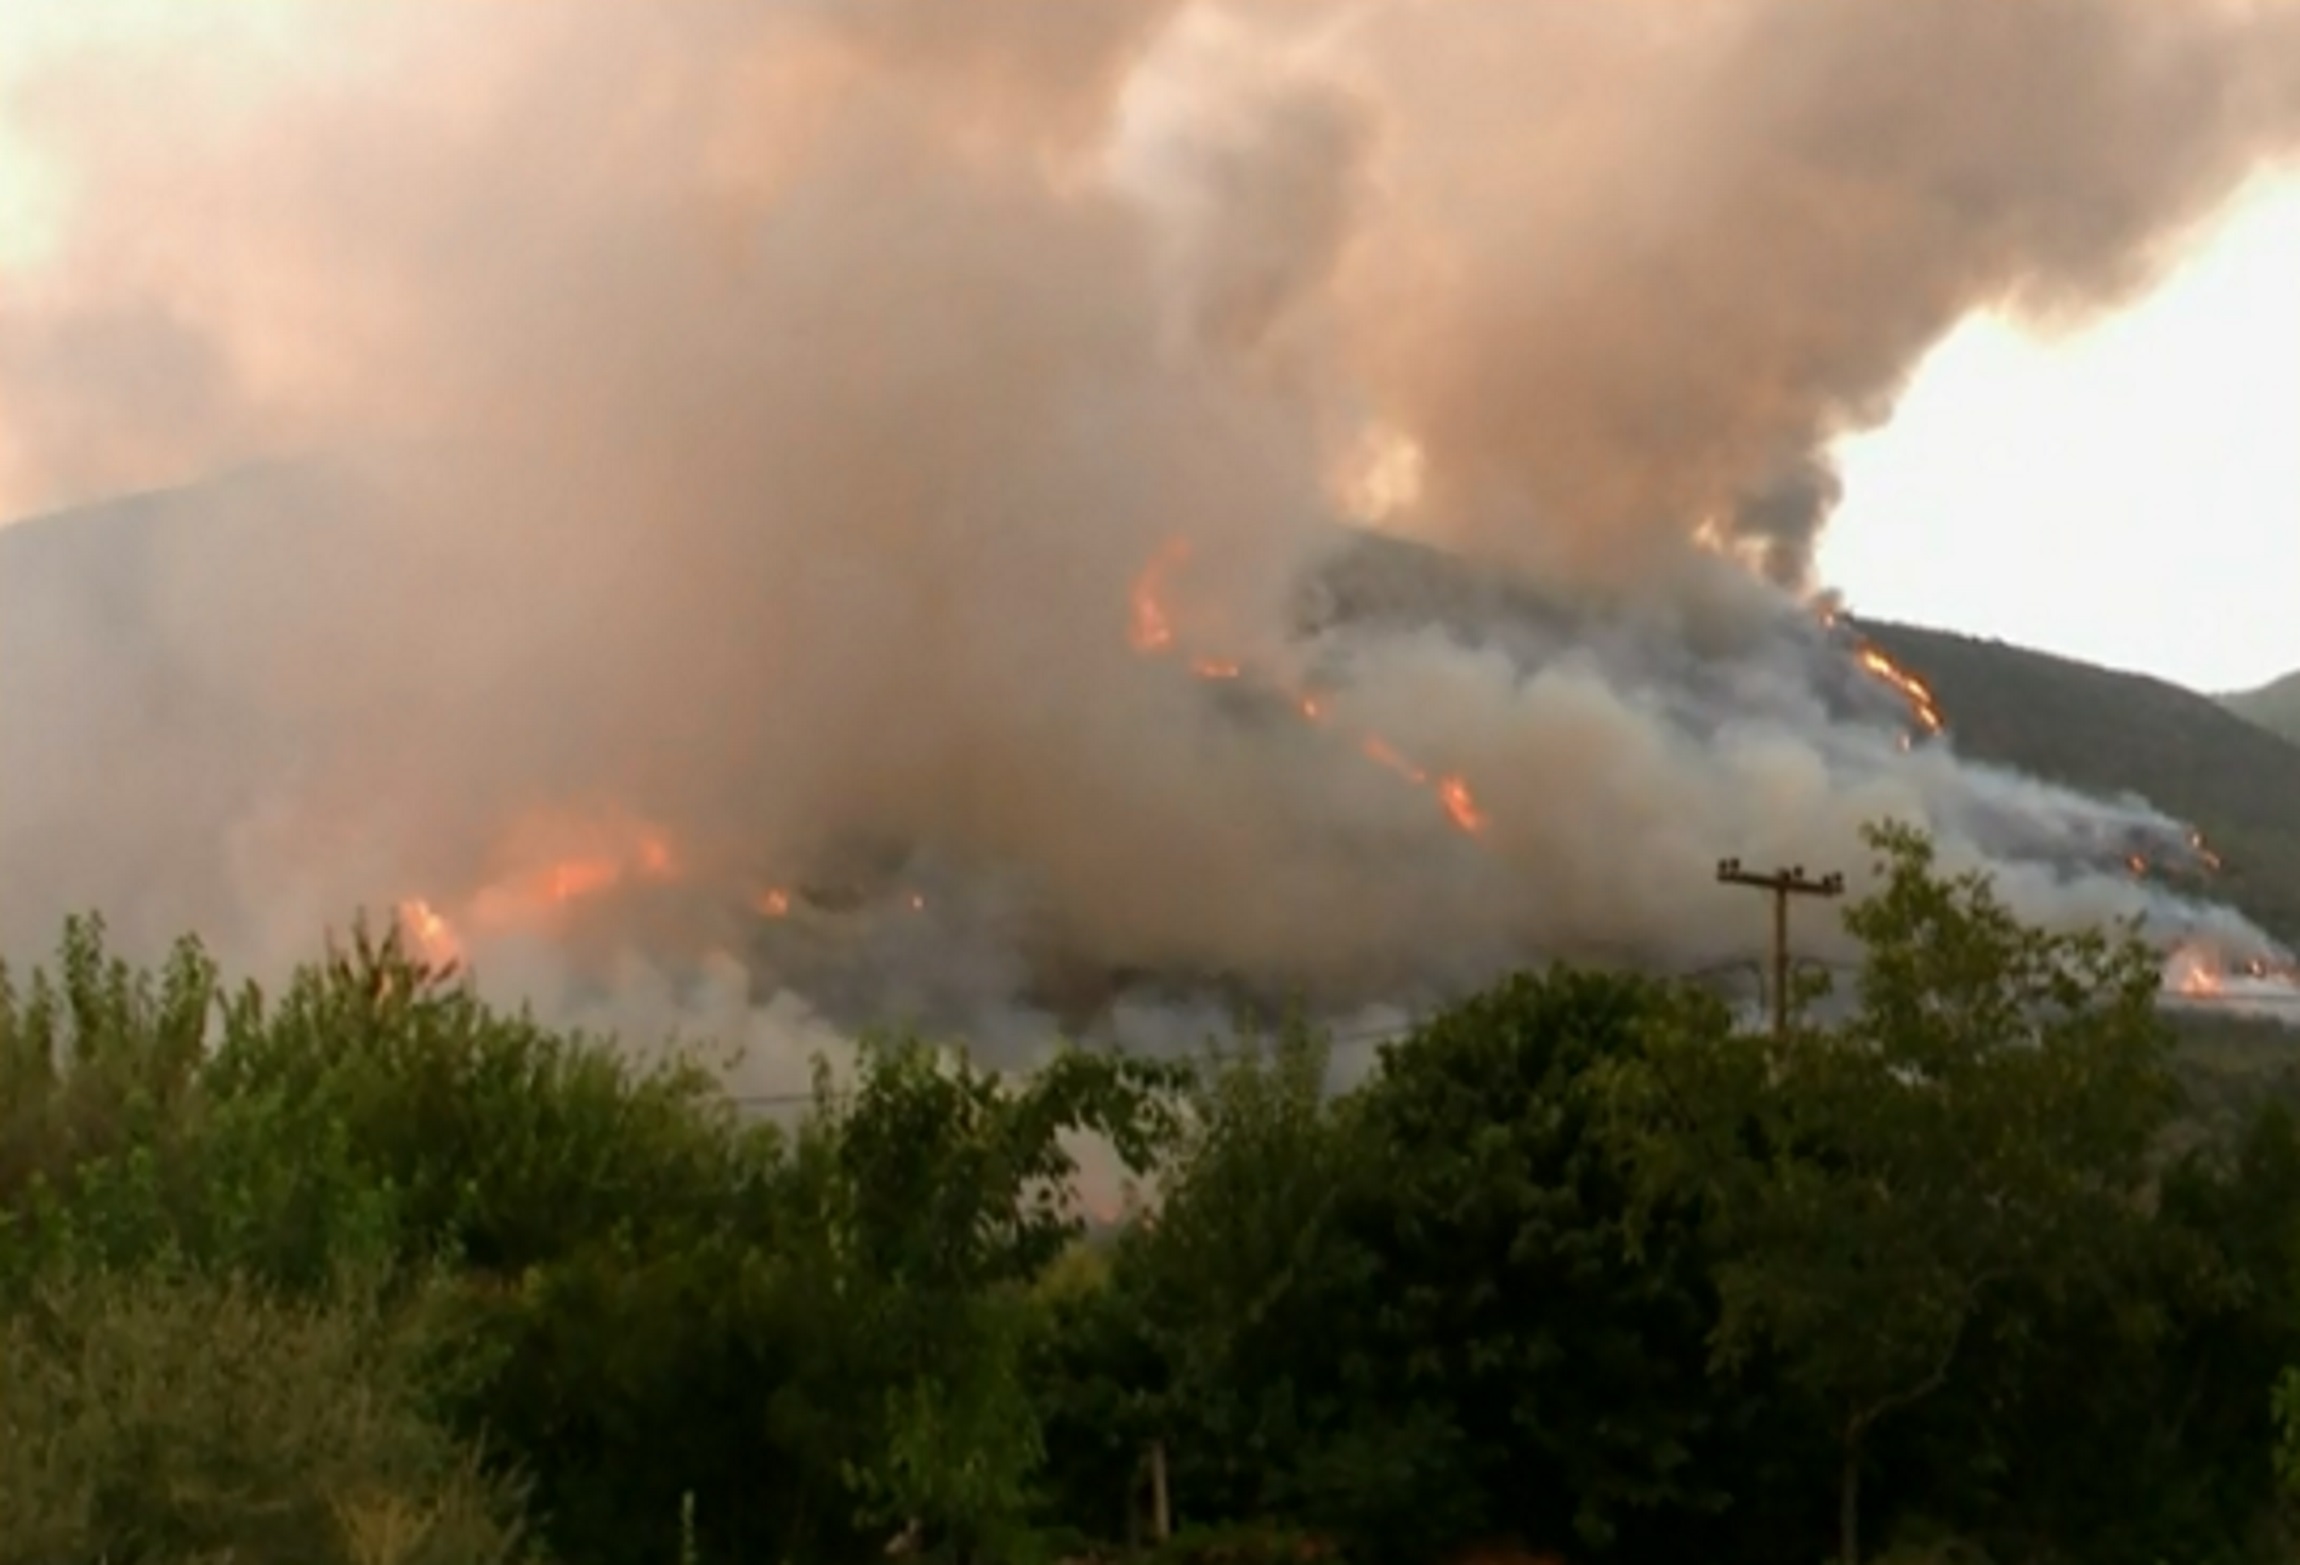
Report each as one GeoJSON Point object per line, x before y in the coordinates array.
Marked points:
{"type": "Point", "coordinates": [1781, 885]}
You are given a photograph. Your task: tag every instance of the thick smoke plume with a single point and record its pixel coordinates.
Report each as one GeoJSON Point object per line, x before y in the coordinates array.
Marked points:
{"type": "Point", "coordinates": [726, 442]}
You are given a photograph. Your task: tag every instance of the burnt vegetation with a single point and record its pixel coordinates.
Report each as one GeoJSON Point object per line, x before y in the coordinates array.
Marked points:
{"type": "Point", "coordinates": [363, 1271]}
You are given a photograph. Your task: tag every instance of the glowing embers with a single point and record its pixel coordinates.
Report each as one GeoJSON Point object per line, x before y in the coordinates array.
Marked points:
{"type": "Point", "coordinates": [2201, 861]}
{"type": "Point", "coordinates": [777, 903]}
{"type": "Point", "coordinates": [1151, 629]}
{"type": "Point", "coordinates": [2204, 854]}
{"type": "Point", "coordinates": [1151, 632]}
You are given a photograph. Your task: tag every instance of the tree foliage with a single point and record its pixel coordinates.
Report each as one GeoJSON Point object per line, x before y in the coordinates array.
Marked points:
{"type": "Point", "coordinates": [1983, 1119]}
{"type": "Point", "coordinates": [151, 1416]}
{"type": "Point", "coordinates": [1579, 1266]}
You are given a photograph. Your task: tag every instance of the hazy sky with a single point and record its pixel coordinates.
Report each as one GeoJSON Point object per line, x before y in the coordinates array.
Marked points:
{"type": "Point", "coordinates": [2130, 496]}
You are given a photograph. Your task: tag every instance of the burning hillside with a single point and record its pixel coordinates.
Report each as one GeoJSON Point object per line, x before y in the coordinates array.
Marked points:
{"type": "Point", "coordinates": [857, 929]}
{"type": "Point", "coordinates": [839, 509]}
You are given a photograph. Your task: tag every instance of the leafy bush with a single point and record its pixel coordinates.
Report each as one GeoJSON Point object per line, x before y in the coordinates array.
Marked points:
{"type": "Point", "coordinates": [150, 1417]}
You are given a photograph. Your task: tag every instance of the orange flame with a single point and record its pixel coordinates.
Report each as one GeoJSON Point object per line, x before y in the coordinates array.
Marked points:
{"type": "Point", "coordinates": [435, 939]}
{"type": "Point", "coordinates": [1152, 632]}
{"type": "Point", "coordinates": [774, 902]}
{"type": "Point", "coordinates": [581, 878]}
{"type": "Point", "coordinates": [2196, 972]}
{"type": "Point", "coordinates": [1378, 749]}
{"type": "Point", "coordinates": [615, 853]}
{"type": "Point", "coordinates": [1152, 629]}
{"type": "Point", "coordinates": [1913, 690]}
{"type": "Point", "coordinates": [1454, 794]}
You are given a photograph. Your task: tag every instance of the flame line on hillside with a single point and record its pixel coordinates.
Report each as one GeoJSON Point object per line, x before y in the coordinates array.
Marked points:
{"type": "Point", "coordinates": [1151, 632]}
{"type": "Point", "coordinates": [1922, 704]}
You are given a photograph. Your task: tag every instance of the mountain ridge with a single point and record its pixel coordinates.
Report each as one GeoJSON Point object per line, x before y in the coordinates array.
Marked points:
{"type": "Point", "coordinates": [2275, 706]}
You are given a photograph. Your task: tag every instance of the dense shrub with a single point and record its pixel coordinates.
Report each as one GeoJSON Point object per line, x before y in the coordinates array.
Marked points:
{"type": "Point", "coordinates": [156, 1417]}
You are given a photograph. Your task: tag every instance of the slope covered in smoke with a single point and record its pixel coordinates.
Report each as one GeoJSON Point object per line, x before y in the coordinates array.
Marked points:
{"type": "Point", "coordinates": [104, 637]}
{"type": "Point", "coordinates": [2275, 706]}
{"type": "Point", "coordinates": [2115, 734]}
{"type": "Point", "coordinates": [840, 500]}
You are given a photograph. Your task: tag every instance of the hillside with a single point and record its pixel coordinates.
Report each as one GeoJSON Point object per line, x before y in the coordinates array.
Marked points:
{"type": "Point", "coordinates": [70, 583]}
{"type": "Point", "coordinates": [2275, 707]}
{"type": "Point", "coordinates": [2112, 733]}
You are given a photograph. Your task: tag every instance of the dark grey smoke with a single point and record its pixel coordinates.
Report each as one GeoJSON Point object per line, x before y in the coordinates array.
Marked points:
{"type": "Point", "coordinates": [1782, 521]}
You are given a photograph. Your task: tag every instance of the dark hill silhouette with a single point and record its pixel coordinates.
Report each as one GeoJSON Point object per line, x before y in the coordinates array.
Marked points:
{"type": "Point", "coordinates": [2274, 706]}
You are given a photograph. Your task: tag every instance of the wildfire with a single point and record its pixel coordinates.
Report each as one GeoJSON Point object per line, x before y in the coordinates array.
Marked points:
{"type": "Point", "coordinates": [774, 902]}
{"type": "Point", "coordinates": [610, 853]}
{"type": "Point", "coordinates": [433, 936]}
{"type": "Point", "coordinates": [516, 898]}
{"type": "Point", "coordinates": [1454, 794]}
{"type": "Point", "coordinates": [2196, 973]}
{"type": "Point", "coordinates": [1152, 632]}
{"type": "Point", "coordinates": [2206, 860]}
{"type": "Point", "coordinates": [2204, 854]}
{"type": "Point", "coordinates": [1913, 690]}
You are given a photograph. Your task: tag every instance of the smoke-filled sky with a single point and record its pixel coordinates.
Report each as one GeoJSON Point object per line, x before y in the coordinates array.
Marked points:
{"type": "Point", "coordinates": [755, 420]}
{"type": "Point", "coordinates": [2067, 460]}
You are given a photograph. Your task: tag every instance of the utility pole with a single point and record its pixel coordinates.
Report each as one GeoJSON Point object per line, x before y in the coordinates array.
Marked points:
{"type": "Point", "coordinates": [1783, 884]}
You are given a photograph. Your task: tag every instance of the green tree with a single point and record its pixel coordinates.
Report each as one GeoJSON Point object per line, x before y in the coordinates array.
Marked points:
{"type": "Point", "coordinates": [1985, 1116]}
{"type": "Point", "coordinates": [116, 1147]}
{"type": "Point", "coordinates": [1240, 1291]}
{"type": "Point", "coordinates": [2124, 1424]}
{"type": "Point", "coordinates": [1504, 1290]}
{"type": "Point", "coordinates": [928, 1201]}
{"type": "Point", "coordinates": [1410, 1317]}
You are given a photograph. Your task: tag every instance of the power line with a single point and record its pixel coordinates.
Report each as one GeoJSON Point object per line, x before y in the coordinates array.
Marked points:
{"type": "Point", "coordinates": [1781, 885]}
{"type": "Point", "coordinates": [1754, 964]}
{"type": "Point", "coordinates": [788, 1099]}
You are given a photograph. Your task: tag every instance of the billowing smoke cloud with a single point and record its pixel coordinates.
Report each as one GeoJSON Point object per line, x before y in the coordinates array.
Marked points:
{"type": "Point", "coordinates": [729, 439]}
{"type": "Point", "coordinates": [1677, 249]}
